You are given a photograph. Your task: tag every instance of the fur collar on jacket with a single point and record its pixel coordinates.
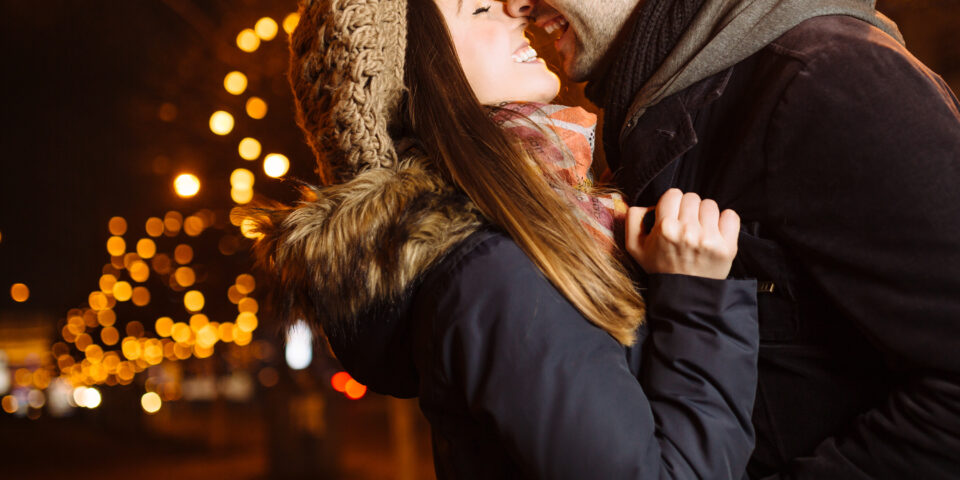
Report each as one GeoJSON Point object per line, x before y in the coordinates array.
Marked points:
{"type": "Point", "coordinates": [354, 250]}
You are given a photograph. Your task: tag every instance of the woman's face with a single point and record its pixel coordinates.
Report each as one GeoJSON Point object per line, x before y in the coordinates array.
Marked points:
{"type": "Point", "coordinates": [495, 55]}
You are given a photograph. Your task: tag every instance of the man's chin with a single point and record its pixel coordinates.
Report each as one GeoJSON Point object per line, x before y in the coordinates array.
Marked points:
{"type": "Point", "coordinates": [574, 68]}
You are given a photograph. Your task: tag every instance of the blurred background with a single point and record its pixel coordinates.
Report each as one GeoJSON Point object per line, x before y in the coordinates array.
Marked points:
{"type": "Point", "coordinates": [133, 342]}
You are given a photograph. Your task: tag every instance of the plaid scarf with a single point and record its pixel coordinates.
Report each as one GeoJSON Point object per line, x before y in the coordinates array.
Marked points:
{"type": "Point", "coordinates": [561, 139]}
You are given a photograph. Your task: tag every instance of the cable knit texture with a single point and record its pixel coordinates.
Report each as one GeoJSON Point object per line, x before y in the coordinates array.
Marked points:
{"type": "Point", "coordinates": [346, 70]}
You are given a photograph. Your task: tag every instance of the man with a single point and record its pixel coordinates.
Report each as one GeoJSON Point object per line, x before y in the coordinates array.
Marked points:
{"type": "Point", "coordinates": [841, 153]}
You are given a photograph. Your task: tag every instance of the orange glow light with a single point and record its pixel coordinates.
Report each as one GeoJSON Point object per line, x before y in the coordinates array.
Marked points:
{"type": "Point", "coordinates": [19, 292]}
{"type": "Point", "coordinates": [339, 381]}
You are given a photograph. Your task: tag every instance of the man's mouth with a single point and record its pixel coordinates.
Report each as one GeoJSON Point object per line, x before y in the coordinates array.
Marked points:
{"type": "Point", "coordinates": [553, 23]}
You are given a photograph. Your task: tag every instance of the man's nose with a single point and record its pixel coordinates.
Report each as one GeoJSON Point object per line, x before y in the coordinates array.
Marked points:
{"type": "Point", "coordinates": [520, 8]}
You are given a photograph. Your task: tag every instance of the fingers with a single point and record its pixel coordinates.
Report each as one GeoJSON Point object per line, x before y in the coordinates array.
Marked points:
{"type": "Point", "coordinates": [669, 204]}
{"type": "Point", "coordinates": [689, 208]}
{"type": "Point", "coordinates": [730, 228]}
{"type": "Point", "coordinates": [709, 216]}
{"type": "Point", "coordinates": [634, 226]}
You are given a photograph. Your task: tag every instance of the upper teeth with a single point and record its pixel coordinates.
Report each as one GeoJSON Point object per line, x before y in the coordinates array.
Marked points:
{"type": "Point", "coordinates": [551, 27]}
{"type": "Point", "coordinates": [525, 55]}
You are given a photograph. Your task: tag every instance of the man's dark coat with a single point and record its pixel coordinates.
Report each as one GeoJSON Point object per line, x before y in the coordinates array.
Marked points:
{"type": "Point", "coordinates": [841, 153]}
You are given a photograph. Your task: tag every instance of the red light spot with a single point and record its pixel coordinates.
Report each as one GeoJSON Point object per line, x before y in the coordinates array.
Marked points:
{"type": "Point", "coordinates": [355, 390]}
{"type": "Point", "coordinates": [339, 381]}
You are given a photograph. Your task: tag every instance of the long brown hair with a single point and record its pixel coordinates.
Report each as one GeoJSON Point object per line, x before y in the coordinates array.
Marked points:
{"type": "Point", "coordinates": [457, 132]}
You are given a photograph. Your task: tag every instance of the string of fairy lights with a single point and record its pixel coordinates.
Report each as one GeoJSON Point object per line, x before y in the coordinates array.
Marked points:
{"type": "Point", "coordinates": [96, 349]}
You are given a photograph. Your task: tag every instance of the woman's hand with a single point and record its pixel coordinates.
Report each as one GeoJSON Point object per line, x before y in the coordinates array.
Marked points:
{"type": "Point", "coordinates": [690, 236]}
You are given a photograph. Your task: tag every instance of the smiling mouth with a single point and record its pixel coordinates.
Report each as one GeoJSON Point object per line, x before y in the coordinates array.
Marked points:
{"type": "Point", "coordinates": [554, 24]}
{"type": "Point", "coordinates": [525, 54]}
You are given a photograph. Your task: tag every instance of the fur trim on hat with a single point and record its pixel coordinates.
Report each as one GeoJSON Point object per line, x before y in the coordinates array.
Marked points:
{"type": "Point", "coordinates": [351, 249]}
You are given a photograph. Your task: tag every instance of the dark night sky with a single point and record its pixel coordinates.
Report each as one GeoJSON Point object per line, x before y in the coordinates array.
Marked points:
{"type": "Point", "coordinates": [81, 139]}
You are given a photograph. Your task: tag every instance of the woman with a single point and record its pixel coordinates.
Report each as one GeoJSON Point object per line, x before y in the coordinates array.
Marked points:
{"type": "Point", "coordinates": [451, 259]}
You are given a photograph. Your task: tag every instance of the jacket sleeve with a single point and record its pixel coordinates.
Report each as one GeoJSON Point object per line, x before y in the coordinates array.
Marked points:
{"type": "Point", "coordinates": [864, 155]}
{"type": "Point", "coordinates": [558, 390]}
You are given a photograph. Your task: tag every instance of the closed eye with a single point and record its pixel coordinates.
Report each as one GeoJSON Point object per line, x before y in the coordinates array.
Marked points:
{"type": "Point", "coordinates": [480, 10]}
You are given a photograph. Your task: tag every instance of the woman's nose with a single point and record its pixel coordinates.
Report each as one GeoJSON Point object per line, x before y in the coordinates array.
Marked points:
{"type": "Point", "coordinates": [520, 8]}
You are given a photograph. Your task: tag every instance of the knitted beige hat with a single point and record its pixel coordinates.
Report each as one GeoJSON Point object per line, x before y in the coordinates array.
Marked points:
{"type": "Point", "coordinates": [346, 70]}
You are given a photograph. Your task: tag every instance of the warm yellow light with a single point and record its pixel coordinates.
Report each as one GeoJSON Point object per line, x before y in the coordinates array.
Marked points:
{"type": "Point", "coordinates": [207, 336]}
{"type": "Point", "coordinates": [139, 271]}
{"type": "Point", "coordinates": [186, 185]}
{"type": "Point", "coordinates": [150, 402]}
{"type": "Point", "coordinates": [184, 276]}
{"type": "Point", "coordinates": [163, 326]}
{"type": "Point", "coordinates": [98, 300]}
{"type": "Point", "coordinates": [241, 196]}
{"type": "Point", "coordinates": [172, 222]}
{"type": "Point", "coordinates": [248, 305]}
{"type": "Point", "coordinates": [130, 348]}
{"type": "Point", "coordinates": [234, 295]}
{"type": "Point", "coordinates": [225, 331]}
{"type": "Point", "coordinates": [198, 321]}
{"type": "Point", "coordinates": [266, 28]}
{"type": "Point", "coordinates": [82, 341]}
{"type": "Point", "coordinates": [193, 225]}
{"type": "Point", "coordinates": [146, 248]}
{"type": "Point", "coordinates": [106, 317]}
{"type": "Point", "coordinates": [153, 351]}
{"type": "Point", "coordinates": [19, 292]}
{"type": "Point", "coordinates": [106, 282]}
{"type": "Point", "coordinates": [122, 291]}
{"type": "Point", "coordinates": [94, 353]}
{"type": "Point", "coordinates": [180, 332]}
{"type": "Point", "coordinates": [245, 283]}
{"type": "Point", "coordinates": [154, 227]}
{"type": "Point", "coordinates": [246, 322]}
{"type": "Point", "coordinates": [276, 165]}
{"type": "Point", "coordinates": [110, 336]}
{"type": "Point", "coordinates": [290, 22]}
{"type": "Point", "coordinates": [141, 296]}
{"type": "Point", "coordinates": [116, 246]}
{"type": "Point", "coordinates": [193, 301]}
{"type": "Point", "coordinates": [256, 108]}
{"type": "Point", "coordinates": [235, 83]}
{"type": "Point", "coordinates": [183, 254]}
{"type": "Point", "coordinates": [247, 40]}
{"type": "Point", "coordinates": [117, 226]}
{"type": "Point", "coordinates": [221, 122]}
{"type": "Point", "coordinates": [242, 179]}
{"type": "Point", "coordinates": [249, 148]}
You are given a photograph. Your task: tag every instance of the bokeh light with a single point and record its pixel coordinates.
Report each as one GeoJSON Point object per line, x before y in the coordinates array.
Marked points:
{"type": "Point", "coordinates": [193, 301]}
{"type": "Point", "coordinates": [242, 178]}
{"type": "Point", "coordinates": [146, 248]}
{"type": "Point", "coordinates": [151, 402]}
{"type": "Point", "coordinates": [256, 108]}
{"type": "Point", "coordinates": [221, 122]}
{"type": "Point", "coordinates": [116, 246]}
{"type": "Point", "coordinates": [19, 292]}
{"type": "Point", "coordinates": [249, 148]}
{"type": "Point", "coordinates": [235, 82]}
{"type": "Point", "coordinates": [117, 226]}
{"type": "Point", "coordinates": [290, 22]}
{"type": "Point", "coordinates": [241, 196]}
{"type": "Point", "coordinates": [276, 165]}
{"type": "Point", "coordinates": [247, 40]}
{"type": "Point", "coordinates": [186, 185]}
{"type": "Point", "coordinates": [266, 28]}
